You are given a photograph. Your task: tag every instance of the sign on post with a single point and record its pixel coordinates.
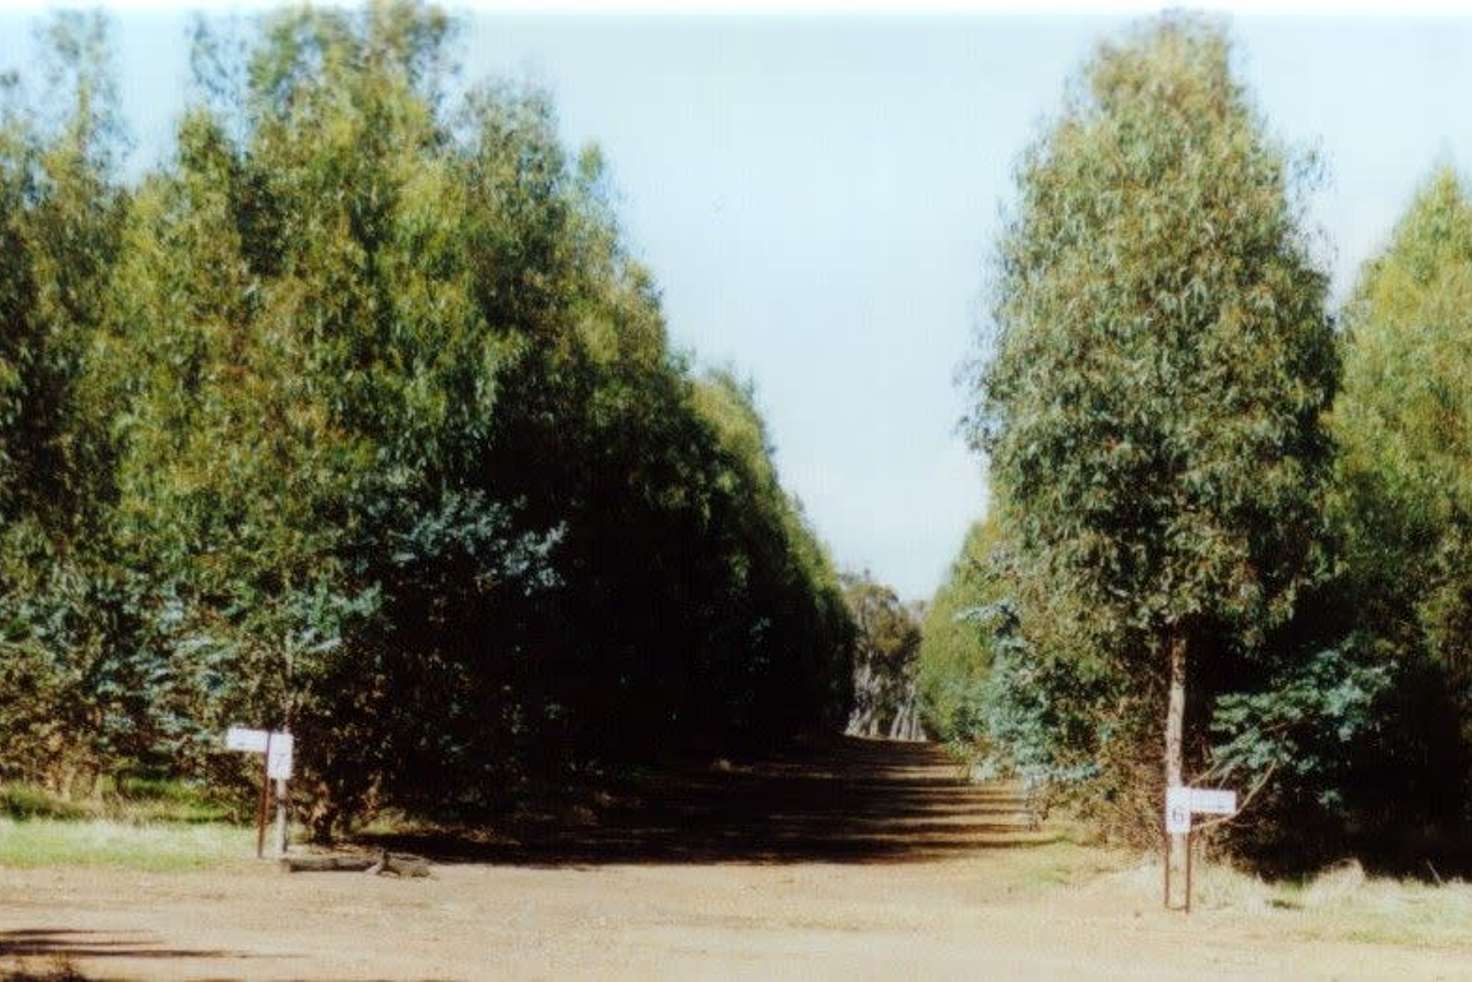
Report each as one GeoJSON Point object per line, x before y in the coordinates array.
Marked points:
{"type": "Point", "coordinates": [277, 749]}
{"type": "Point", "coordinates": [250, 741]}
{"type": "Point", "coordinates": [1180, 803]}
{"type": "Point", "coordinates": [1209, 801]}
{"type": "Point", "coordinates": [1177, 810]}
{"type": "Point", "coordinates": [278, 760]}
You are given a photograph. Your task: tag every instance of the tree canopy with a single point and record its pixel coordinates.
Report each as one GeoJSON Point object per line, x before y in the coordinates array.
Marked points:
{"type": "Point", "coordinates": [1404, 422]}
{"type": "Point", "coordinates": [955, 655]}
{"type": "Point", "coordinates": [1161, 359]}
{"type": "Point", "coordinates": [377, 434]}
{"type": "Point", "coordinates": [1162, 355]}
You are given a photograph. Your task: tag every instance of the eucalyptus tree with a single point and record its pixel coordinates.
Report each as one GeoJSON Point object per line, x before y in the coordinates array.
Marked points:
{"type": "Point", "coordinates": [307, 368]}
{"type": "Point", "coordinates": [60, 213]}
{"type": "Point", "coordinates": [66, 623]}
{"type": "Point", "coordinates": [887, 642]}
{"type": "Point", "coordinates": [954, 654]}
{"type": "Point", "coordinates": [1403, 495]}
{"type": "Point", "coordinates": [1404, 423]}
{"type": "Point", "coordinates": [404, 439]}
{"type": "Point", "coordinates": [1160, 364]}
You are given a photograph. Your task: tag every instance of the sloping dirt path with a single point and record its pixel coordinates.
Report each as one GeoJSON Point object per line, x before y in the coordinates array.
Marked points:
{"type": "Point", "coordinates": [843, 860]}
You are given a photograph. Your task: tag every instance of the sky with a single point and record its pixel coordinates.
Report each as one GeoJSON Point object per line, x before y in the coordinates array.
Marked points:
{"type": "Point", "coordinates": [818, 197]}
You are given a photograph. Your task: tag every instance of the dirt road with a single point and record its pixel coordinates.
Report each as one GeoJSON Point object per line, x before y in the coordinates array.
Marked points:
{"type": "Point", "coordinates": [852, 860]}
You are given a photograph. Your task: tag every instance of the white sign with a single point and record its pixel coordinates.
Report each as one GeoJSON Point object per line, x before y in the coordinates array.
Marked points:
{"type": "Point", "coordinates": [250, 741]}
{"type": "Point", "coordinates": [277, 746]}
{"type": "Point", "coordinates": [278, 760]}
{"type": "Point", "coordinates": [1177, 810]}
{"type": "Point", "coordinates": [1181, 802]}
{"type": "Point", "coordinates": [1206, 801]}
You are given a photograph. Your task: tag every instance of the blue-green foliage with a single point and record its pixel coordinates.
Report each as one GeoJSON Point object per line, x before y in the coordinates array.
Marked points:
{"type": "Point", "coordinates": [1306, 725]}
{"type": "Point", "coordinates": [1028, 717]}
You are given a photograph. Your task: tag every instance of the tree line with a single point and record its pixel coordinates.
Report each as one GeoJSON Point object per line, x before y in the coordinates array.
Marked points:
{"type": "Point", "coordinates": [1228, 534]}
{"type": "Point", "coordinates": [356, 416]}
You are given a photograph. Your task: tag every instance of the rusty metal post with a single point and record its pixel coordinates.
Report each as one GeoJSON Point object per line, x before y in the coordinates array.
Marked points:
{"type": "Point", "coordinates": [265, 792]}
{"type": "Point", "coordinates": [1165, 855]}
{"type": "Point", "coordinates": [1188, 872]}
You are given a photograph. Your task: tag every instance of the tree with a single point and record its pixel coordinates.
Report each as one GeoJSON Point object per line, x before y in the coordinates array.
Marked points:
{"type": "Point", "coordinates": [1161, 362]}
{"type": "Point", "coordinates": [1404, 422]}
{"type": "Point", "coordinates": [1403, 491]}
{"type": "Point", "coordinates": [391, 432]}
{"type": "Point", "coordinates": [309, 382]}
{"type": "Point", "coordinates": [886, 645]}
{"type": "Point", "coordinates": [69, 623]}
{"type": "Point", "coordinates": [955, 653]}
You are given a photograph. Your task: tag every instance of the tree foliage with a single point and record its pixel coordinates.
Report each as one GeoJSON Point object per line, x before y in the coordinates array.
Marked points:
{"type": "Point", "coordinates": [75, 685]}
{"type": "Point", "coordinates": [1403, 497]}
{"type": "Point", "coordinates": [1404, 421]}
{"type": "Point", "coordinates": [1162, 354]}
{"type": "Point", "coordinates": [955, 655]}
{"type": "Point", "coordinates": [376, 433]}
{"type": "Point", "coordinates": [1161, 360]}
{"type": "Point", "coordinates": [886, 648]}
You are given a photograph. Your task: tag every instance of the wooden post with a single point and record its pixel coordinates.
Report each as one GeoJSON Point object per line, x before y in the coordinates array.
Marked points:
{"type": "Point", "coordinates": [265, 793]}
{"type": "Point", "coordinates": [1175, 715]}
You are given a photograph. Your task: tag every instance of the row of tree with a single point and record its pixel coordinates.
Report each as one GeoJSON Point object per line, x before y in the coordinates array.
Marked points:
{"type": "Point", "coordinates": [356, 417]}
{"type": "Point", "coordinates": [886, 696]}
{"type": "Point", "coordinates": [1229, 527]}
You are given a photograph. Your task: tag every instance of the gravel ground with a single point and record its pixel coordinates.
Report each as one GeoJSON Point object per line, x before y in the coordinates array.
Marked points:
{"type": "Point", "coordinates": [849, 860]}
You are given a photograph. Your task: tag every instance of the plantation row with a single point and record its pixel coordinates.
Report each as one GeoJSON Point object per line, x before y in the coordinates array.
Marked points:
{"type": "Point", "coordinates": [1230, 526]}
{"type": "Point", "coordinates": [356, 417]}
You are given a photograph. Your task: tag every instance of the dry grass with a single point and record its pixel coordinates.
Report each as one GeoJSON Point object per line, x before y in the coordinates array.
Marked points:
{"type": "Point", "coordinates": [1339, 904]}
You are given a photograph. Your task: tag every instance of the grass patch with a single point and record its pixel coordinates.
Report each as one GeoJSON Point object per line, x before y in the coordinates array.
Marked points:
{"type": "Point", "coordinates": [164, 847]}
{"type": "Point", "coordinates": [1339, 904]}
{"type": "Point", "coordinates": [1064, 854]}
{"type": "Point", "coordinates": [1387, 911]}
{"type": "Point", "coordinates": [141, 801]}
{"type": "Point", "coordinates": [131, 822]}
{"type": "Point", "coordinates": [22, 802]}
{"type": "Point", "coordinates": [1069, 863]}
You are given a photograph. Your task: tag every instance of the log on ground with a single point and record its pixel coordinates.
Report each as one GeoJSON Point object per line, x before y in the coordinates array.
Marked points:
{"type": "Point", "coordinates": [327, 864]}
{"type": "Point", "coordinates": [396, 863]}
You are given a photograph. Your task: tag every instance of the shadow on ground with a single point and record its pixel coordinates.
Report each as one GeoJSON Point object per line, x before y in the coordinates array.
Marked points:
{"type": "Point", "coordinates": [67, 943]}
{"type": "Point", "coordinates": [841, 800]}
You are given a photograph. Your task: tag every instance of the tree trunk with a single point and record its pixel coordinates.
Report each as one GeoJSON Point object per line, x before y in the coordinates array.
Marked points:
{"type": "Point", "coordinates": [868, 695]}
{"type": "Point", "coordinates": [1175, 716]}
{"type": "Point", "coordinates": [906, 723]}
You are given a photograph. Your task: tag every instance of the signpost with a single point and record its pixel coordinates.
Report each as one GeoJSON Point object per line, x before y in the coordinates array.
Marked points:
{"type": "Point", "coordinates": [278, 756]}
{"type": "Point", "coordinates": [1178, 810]}
{"type": "Point", "coordinates": [1208, 801]}
{"type": "Point", "coordinates": [276, 749]}
{"type": "Point", "coordinates": [1181, 803]}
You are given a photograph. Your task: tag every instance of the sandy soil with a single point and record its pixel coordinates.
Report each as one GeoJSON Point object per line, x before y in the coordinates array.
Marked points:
{"type": "Point", "coordinates": [849, 861]}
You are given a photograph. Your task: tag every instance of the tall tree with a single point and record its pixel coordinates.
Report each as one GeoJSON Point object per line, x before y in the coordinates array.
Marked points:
{"type": "Point", "coordinates": [401, 438]}
{"type": "Point", "coordinates": [1161, 362]}
{"type": "Point", "coordinates": [954, 652]}
{"type": "Point", "coordinates": [65, 615]}
{"type": "Point", "coordinates": [1403, 496]}
{"type": "Point", "coordinates": [886, 645]}
{"type": "Point", "coordinates": [1404, 422]}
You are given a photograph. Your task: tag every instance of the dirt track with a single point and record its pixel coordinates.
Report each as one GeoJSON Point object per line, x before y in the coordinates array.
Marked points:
{"type": "Point", "coordinates": [853, 860]}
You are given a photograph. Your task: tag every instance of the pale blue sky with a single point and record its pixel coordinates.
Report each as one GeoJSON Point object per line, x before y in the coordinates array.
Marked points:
{"type": "Point", "coordinates": [817, 198]}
